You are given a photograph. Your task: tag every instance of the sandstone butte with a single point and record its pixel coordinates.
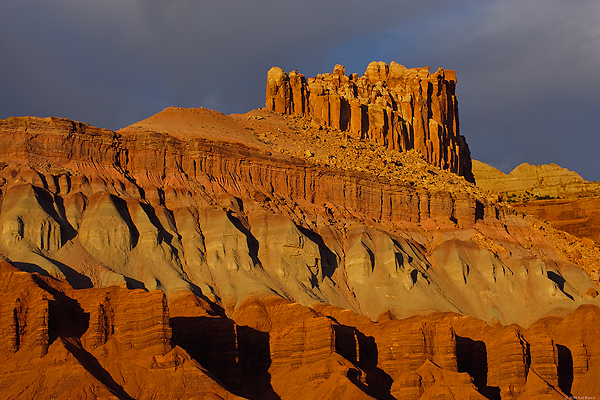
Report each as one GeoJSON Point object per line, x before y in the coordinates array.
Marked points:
{"type": "Point", "coordinates": [277, 255]}
{"type": "Point", "coordinates": [393, 106]}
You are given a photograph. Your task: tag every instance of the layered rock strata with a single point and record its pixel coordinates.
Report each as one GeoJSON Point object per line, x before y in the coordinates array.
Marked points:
{"type": "Point", "coordinates": [188, 214]}
{"type": "Point", "coordinates": [393, 106]}
{"type": "Point", "coordinates": [578, 216]}
{"type": "Point", "coordinates": [209, 264]}
{"type": "Point", "coordinates": [531, 182]}
{"type": "Point", "coordinates": [116, 342]}
{"type": "Point", "coordinates": [493, 362]}
{"type": "Point", "coordinates": [61, 343]}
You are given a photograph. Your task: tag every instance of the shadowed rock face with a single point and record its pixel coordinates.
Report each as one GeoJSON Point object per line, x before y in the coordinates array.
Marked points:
{"type": "Point", "coordinates": [57, 342]}
{"type": "Point", "coordinates": [393, 106]}
{"type": "Point", "coordinates": [195, 255]}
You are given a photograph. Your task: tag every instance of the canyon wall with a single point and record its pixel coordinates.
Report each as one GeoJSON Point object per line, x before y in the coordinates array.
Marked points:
{"type": "Point", "coordinates": [393, 106]}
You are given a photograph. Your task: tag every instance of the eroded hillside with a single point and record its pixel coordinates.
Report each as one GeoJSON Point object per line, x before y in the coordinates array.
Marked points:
{"type": "Point", "coordinates": [227, 218]}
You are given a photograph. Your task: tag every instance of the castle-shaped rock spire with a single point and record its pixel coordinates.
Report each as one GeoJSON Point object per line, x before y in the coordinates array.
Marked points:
{"type": "Point", "coordinates": [394, 106]}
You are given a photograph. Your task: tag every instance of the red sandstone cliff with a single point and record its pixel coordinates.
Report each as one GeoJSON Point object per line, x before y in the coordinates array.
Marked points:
{"type": "Point", "coordinates": [231, 217]}
{"type": "Point", "coordinates": [61, 343]}
{"type": "Point", "coordinates": [393, 106]}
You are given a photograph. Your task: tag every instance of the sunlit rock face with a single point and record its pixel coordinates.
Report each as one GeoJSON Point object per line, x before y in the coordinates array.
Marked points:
{"type": "Point", "coordinates": [107, 342]}
{"type": "Point", "coordinates": [393, 106]}
{"type": "Point", "coordinates": [190, 211]}
{"type": "Point", "coordinates": [549, 192]}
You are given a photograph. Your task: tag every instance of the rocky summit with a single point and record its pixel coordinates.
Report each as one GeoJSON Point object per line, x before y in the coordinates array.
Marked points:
{"type": "Point", "coordinates": [331, 245]}
{"type": "Point", "coordinates": [393, 106]}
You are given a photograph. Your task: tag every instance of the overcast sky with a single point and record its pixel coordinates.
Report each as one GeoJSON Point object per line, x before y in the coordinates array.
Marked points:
{"type": "Point", "coordinates": [528, 70]}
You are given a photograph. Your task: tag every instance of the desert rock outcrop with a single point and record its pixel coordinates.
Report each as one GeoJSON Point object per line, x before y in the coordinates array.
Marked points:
{"type": "Point", "coordinates": [117, 342]}
{"type": "Point", "coordinates": [191, 211]}
{"type": "Point", "coordinates": [534, 181]}
{"type": "Point", "coordinates": [393, 106]}
{"type": "Point", "coordinates": [550, 193]}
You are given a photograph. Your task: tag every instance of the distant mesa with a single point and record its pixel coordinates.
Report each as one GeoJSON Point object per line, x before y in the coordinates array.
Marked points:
{"type": "Point", "coordinates": [394, 106]}
{"type": "Point", "coordinates": [549, 192]}
{"type": "Point", "coordinates": [540, 181]}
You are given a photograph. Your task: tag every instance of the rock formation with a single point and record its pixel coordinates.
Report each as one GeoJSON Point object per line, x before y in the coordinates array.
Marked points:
{"type": "Point", "coordinates": [199, 255]}
{"type": "Point", "coordinates": [193, 212]}
{"type": "Point", "coordinates": [549, 192]}
{"type": "Point", "coordinates": [57, 342]}
{"type": "Point", "coordinates": [190, 212]}
{"type": "Point", "coordinates": [534, 181]}
{"type": "Point", "coordinates": [61, 343]}
{"type": "Point", "coordinates": [393, 106]}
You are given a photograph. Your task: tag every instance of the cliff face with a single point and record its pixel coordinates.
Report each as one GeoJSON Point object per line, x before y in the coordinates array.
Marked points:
{"type": "Point", "coordinates": [393, 106]}
{"type": "Point", "coordinates": [61, 343]}
{"type": "Point", "coordinates": [189, 212]}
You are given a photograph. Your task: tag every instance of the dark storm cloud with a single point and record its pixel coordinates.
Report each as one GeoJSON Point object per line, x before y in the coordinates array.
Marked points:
{"type": "Point", "coordinates": [529, 70]}
{"type": "Point", "coordinates": [526, 68]}
{"type": "Point", "coordinates": [112, 62]}
{"type": "Point", "coordinates": [527, 88]}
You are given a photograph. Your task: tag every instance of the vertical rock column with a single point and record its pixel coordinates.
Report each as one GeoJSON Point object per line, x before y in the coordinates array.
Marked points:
{"type": "Point", "coordinates": [544, 357]}
{"type": "Point", "coordinates": [141, 321]}
{"type": "Point", "coordinates": [304, 343]}
{"type": "Point", "coordinates": [286, 94]}
{"type": "Point", "coordinates": [278, 91]}
{"type": "Point", "coordinates": [508, 363]}
{"type": "Point", "coordinates": [24, 327]}
{"type": "Point", "coordinates": [24, 314]}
